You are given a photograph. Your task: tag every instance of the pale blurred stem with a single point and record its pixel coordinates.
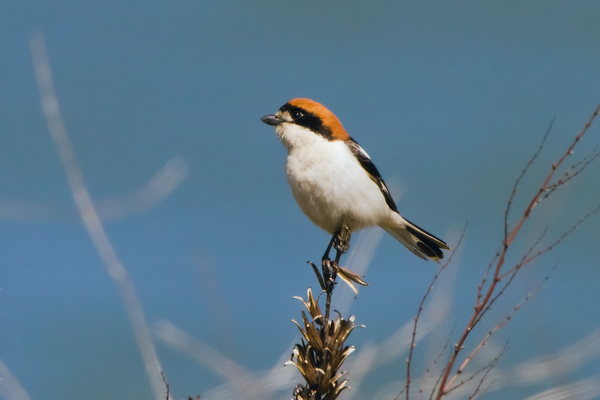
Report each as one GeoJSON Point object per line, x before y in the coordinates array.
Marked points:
{"type": "Point", "coordinates": [509, 237]}
{"type": "Point", "coordinates": [90, 217]}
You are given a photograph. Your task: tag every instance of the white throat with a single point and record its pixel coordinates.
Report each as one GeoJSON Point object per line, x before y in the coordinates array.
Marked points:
{"type": "Point", "coordinates": [296, 137]}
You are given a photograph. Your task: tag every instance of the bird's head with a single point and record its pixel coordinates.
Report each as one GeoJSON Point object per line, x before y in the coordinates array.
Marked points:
{"type": "Point", "coordinates": [302, 121]}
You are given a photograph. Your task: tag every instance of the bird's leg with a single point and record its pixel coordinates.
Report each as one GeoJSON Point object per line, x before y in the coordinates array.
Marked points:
{"type": "Point", "coordinates": [342, 243]}
{"type": "Point", "coordinates": [331, 243]}
{"type": "Point", "coordinates": [327, 265]}
{"type": "Point", "coordinates": [329, 268]}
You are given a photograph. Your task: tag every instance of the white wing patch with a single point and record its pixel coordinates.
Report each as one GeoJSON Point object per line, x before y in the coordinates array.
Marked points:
{"type": "Point", "coordinates": [365, 161]}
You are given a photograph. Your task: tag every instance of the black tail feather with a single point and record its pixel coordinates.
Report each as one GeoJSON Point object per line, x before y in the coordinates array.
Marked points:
{"type": "Point", "coordinates": [427, 243]}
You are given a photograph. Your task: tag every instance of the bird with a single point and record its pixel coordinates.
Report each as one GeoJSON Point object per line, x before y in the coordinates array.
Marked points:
{"type": "Point", "coordinates": [334, 181]}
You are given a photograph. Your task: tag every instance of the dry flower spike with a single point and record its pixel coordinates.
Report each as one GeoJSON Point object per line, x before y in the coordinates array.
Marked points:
{"type": "Point", "coordinates": [322, 350]}
{"type": "Point", "coordinates": [321, 353]}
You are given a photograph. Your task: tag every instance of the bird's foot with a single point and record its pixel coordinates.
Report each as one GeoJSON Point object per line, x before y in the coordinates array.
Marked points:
{"type": "Point", "coordinates": [341, 240]}
{"type": "Point", "coordinates": [330, 270]}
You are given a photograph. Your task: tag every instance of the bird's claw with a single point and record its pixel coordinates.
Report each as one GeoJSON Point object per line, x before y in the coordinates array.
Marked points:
{"type": "Point", "coordinates": [330, 269]}
{"type": "Point", "coordinates": [342, 240]}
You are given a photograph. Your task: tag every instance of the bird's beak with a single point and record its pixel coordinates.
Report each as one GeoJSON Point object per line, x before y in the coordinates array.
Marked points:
{"type": "Point", "coordinates": [271, 119]}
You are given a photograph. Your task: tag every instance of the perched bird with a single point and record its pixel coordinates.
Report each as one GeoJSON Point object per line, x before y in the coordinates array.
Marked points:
{"type": "Point", "coordinates": [334, 181]}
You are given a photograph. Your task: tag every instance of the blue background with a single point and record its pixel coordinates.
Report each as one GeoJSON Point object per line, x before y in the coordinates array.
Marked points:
{"type": "Point", "coordinates": [449, 98]}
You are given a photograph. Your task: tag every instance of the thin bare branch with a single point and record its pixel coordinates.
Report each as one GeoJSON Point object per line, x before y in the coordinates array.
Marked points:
{"type": "Point", "coordinates": [414, 332]}
{"type": "Point", "coordinates": [553, 245]}
{"type": "Point", "coordinates": [484, 279]}
{"type": "Point", "coordinates": [577, 168]}
{"type": "Point", "coordinates": [532, 247]}
{"type": "Point", "coordinates": [509, 237]}
{"type": "Point", "coordinates": [535, 200]}
{"type": "Point", "coordinates": [439, 379]}
{"type": "Point", "coordinates": [435, 360]}
{"type": "Point", "coordinates": [521, 175]}
{"type": "Point", "coordinates": [497, 327]}
{"type": "Point", "coordinates": [476, 395]}
{"type": "Point", "coordinates": [487, 368]}
{"type": "Point", "coordinates": [513, 274]}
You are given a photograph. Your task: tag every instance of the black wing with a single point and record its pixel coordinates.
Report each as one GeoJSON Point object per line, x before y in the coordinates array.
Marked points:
{"type": "Point", "coordinates": [365, 161]}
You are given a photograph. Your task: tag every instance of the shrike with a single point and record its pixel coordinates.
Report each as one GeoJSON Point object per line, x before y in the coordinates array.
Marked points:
{"type": "Point", "coordinates": [334, 181]}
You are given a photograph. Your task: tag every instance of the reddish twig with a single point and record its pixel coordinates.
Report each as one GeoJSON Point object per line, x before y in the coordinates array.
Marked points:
{"type": "Point", "coordinates": [495, 329]}
{"type": "Point", "coordinates": [521, 175]}
{"type": "Point", "coordinates": [414, 332]}
{"type": "Point", "coordinates": [437, 382]}
{"type": "Point", "coordinates": [509, 237]}
{"type": "Point", "coordinates": [477, 392]}
{"type": "Point", "coordinates": [527, 260]}
{"type": "Point", "coordinates": [484, 279]}
{"type": "Point", "coordinates": [514, 273]}
{"type": "Point", "coordinates": [487, 368]}
{"type": "Point", "coordinates": [432, 365]}
{"type": "Point", "coordinates": [580, 165]}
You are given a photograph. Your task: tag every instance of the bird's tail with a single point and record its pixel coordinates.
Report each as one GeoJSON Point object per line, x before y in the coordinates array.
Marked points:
{"type": "Point", "coordinates": [418, 241]}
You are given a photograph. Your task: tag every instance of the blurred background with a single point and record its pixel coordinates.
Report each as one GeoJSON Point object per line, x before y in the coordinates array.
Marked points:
{"type": "Point", "coordinates": [162, 102]}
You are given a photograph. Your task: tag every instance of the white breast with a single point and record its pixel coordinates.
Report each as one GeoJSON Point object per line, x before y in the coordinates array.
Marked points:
{"type": "Point", "coordinates": [329, 184]}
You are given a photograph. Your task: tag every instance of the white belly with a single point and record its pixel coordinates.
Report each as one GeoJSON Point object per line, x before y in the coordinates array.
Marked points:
{"type": "Point", "coordinates": [333, 189]}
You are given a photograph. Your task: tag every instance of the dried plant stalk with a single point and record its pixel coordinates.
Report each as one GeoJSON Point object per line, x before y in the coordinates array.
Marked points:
{"type": "Point", "coordinates": [322, 350]}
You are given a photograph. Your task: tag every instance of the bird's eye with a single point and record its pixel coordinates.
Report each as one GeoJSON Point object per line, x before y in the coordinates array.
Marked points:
{"type": "Point", "coordinates": [296, 115]}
